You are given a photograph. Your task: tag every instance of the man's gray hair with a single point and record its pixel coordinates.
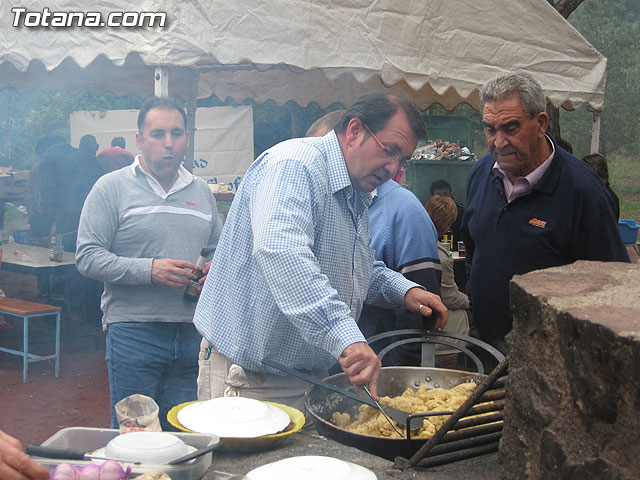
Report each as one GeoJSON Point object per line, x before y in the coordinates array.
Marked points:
{"type": "Point", "coordinates": [520, 84]}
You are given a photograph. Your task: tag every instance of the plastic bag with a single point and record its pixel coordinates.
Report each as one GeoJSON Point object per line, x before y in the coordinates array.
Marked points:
{"type": "Point", "coordinates": [137, 413]}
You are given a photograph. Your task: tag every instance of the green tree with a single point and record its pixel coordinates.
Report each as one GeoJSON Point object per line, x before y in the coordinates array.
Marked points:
{"type": "Point", "coordinates": [29, 116]}
{"type": "Point", "coordinates": [612, 27]}
{"type": "Point", "coordinates": [565, 7]}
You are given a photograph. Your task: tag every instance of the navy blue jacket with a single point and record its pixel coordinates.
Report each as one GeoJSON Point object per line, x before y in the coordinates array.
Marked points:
{"type": "Point", "coordinates": [567, 216]}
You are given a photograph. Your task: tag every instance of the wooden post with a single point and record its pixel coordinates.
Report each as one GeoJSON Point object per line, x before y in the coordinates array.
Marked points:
{"type": "Point", "coordinates": [595, 131]}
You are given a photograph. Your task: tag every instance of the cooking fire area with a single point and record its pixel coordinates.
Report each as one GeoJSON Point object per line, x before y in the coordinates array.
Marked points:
{"type": "Point", "coordinates": [566, 409]}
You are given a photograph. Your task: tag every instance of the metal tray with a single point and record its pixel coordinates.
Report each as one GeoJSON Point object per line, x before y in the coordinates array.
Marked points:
{"type": "Point", "coordinates": [91, 439]}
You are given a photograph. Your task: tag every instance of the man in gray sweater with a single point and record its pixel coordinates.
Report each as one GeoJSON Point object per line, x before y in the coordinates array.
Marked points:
{"type": "Point", "coordinates": [141, 229]}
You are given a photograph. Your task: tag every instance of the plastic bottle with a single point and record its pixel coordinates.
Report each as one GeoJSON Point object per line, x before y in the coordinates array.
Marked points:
{"type": "Point", "coordinates": [192, 293]}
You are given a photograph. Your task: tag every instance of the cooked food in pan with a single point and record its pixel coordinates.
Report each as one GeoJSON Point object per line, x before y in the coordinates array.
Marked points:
{"type": "Point", "coordinates": [371, 422]}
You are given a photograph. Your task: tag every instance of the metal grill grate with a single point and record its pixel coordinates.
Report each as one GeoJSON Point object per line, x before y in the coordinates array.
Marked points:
{"type": "Point", "coordinates": [474, 429]}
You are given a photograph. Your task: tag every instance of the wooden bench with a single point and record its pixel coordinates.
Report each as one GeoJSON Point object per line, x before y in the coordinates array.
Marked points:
{"type": "Point", "coordinates": [28, 310]}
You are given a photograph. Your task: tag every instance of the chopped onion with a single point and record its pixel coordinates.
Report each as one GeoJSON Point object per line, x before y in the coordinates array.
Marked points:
{"type": "Point", "coordinates": [64, 471]}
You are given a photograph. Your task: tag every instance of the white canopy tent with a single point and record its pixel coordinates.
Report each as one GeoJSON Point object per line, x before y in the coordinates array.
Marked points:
{"type": "Point", "coordinates": [325, 51]}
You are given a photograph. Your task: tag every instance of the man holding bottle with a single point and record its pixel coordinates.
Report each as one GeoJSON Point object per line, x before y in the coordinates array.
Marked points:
{"type": "Point", "coordinates": [140, 231]}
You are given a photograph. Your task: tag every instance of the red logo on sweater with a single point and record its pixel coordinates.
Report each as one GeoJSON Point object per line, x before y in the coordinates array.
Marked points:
{"type": "Point", "coordinates": [191, 204]}
{"type": "Point", "coordinates": [538, 223]}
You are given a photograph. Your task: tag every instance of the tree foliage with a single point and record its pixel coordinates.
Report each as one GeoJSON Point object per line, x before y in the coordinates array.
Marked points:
{"type": "Point", "coordinates": [612, 27]}
{"type": "Point", "coordinates": [27, 117]}
{"type": "Point", "coordinates": [565, 7]}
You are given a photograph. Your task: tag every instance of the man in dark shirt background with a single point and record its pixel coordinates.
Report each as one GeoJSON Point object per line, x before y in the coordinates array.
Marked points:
{"type": "Point", "coordinates": [67, 174]}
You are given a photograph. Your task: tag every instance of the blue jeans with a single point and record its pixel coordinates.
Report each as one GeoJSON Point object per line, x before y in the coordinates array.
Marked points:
{"type": "Point", "coordinates": [156, 359]}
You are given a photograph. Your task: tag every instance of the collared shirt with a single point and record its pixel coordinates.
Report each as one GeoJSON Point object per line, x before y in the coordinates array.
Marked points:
{"type": "Point", "coordinates": [125, 225]}
{"type": "Point", "coordinates": [184, 178]}
{"type": "Point", "coordinates": [523, 185]}
{"type": "Point", "coordinates": [293, 265]}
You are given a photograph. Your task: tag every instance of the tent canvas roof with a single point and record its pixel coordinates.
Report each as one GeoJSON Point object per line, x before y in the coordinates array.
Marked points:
{"type": "Point", "coordinates": [326, 51]}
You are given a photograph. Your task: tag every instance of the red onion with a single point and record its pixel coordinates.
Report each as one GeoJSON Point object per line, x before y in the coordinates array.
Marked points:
{"type": "Point", "coordinates": [112, 470]}
{"type": "Point", "coordinates": [64, 471]}
{"type": "Point", "coordinates": [90, 472]}
{"type": "Point", "coordinates": [109, 470]}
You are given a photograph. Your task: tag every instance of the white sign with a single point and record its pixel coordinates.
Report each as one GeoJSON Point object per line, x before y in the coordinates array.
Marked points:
{"type": "Point", "coordinates": [223, 142]}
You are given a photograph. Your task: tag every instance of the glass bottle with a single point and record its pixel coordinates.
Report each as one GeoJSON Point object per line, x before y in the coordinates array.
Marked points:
{"type": "Point", "coordinates": [52, 249]}
{"type": "Point", "coordinates": [192, 293]}
{"type": "Point", "coordinates": [450, 237]}
{"type": "Point", "coordinates": [59, 249]}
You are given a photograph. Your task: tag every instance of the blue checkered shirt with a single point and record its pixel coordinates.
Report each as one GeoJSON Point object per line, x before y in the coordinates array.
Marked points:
{"type": "Point", "coordinates": [293, 265]}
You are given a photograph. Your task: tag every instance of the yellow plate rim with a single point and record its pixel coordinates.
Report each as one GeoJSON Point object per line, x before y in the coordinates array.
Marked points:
{"type": "Point", "coordinates": [296, 416]}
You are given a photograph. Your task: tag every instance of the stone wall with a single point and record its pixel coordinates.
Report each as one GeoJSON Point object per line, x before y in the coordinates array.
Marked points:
{"type": "Point", "coordinates": [573, 393]}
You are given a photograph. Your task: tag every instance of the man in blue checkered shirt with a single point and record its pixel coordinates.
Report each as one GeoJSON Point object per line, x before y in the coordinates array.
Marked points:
{"type": "Point", "coordinates": [293, 265]}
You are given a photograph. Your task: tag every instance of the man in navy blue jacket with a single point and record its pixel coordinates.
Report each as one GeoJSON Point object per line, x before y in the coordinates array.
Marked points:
{"type": "Point", "coordinates": [530, 204]}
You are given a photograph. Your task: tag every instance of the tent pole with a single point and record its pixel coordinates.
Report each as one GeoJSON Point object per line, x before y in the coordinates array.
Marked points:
{"type": "Point", "coordinates": [161, 82]}
{"type": "Point", "coordinates": [191, 118]}
{"type": "Point", "coordinates": [595, 131]}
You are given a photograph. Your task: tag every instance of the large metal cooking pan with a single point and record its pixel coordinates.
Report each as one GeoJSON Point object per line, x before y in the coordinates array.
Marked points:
{"type": "Point", "coordinates": [322, 403]}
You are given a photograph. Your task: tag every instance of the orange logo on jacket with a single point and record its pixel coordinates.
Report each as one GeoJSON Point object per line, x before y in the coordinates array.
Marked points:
{"type": "Point", "coordinates": [538, 223]}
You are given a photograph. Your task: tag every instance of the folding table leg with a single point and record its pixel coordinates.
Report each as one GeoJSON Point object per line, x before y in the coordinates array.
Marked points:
{"type": "Point", "coordinates": [57, 344]}
{"type": "Point", "coordinates": [25, 348]}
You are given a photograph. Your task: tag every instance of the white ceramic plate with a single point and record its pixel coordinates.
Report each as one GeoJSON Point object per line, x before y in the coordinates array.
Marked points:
{"type": "Point", "coordinates": [311, 468]}
{"type": "Point", "coordinates": [156, 448]}
{"type": "Point", "coordinates": [100, 453]}
{"type": "Point", "coordinates": [233, 417]}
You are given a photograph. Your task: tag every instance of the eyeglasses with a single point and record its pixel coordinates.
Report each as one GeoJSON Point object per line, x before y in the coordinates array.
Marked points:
{"type": "Point", "coordinates": [393, 155]}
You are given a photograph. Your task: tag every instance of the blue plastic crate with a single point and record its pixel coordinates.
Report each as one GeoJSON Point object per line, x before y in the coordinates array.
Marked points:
{"type": "Point", "coordinates": [21, 237]}
{"type": "Point", "coordinates": [628, 230]}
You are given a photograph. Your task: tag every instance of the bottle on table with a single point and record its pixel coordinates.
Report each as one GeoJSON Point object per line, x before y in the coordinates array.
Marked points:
{"type": "Point", "coordinates": [192, 291]}
{"type": "Point", "coordinates": [52, 249]}
{"type": "Point", "coordinates": [59, 249]}
{"type": "Point", "coordinates": [447, 239]}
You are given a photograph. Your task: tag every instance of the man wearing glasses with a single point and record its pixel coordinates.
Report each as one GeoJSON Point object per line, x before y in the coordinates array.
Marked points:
{"type": "Point", "coordinates": [293, 265]}
{"type": "Point", "coordinates": [405, 239]}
